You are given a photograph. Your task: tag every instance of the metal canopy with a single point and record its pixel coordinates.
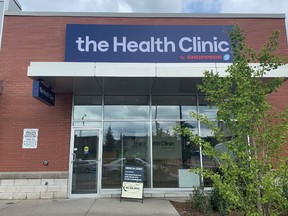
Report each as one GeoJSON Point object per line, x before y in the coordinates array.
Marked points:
{"type": "Point", "coordinates": [127, 78]}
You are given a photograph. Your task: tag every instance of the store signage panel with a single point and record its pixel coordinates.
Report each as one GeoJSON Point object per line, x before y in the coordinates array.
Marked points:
{"type": "Point", "coordinates": [132, 185]}
{"type": "Point", "coordinates": [43, 93]}
{"type": "Point", "coordinates": [147, 43]}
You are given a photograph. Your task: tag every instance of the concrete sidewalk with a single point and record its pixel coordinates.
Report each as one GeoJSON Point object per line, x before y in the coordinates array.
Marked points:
{"type": "Point", "coordinates": [87, 207]}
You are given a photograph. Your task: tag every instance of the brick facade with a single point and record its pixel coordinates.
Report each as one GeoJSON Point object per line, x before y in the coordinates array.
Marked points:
{"type": "Point", "coordinates": [42, 38]}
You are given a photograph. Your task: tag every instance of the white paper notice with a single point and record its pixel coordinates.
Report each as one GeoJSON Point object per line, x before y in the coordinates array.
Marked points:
{"type": "Point", "coordinates": [30, 138]}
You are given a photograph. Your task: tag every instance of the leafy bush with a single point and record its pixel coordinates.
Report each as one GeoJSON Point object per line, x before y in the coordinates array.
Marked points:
{"type": "Point", "coordinates": [258, 131]}
{"type": "Point", "coordinates": [200, 200]}
{"type": "Point", "coordinates": [218, 203]}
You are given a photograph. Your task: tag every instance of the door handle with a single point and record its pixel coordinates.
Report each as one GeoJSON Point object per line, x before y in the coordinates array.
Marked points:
{"type": "Point", "coordinates": [73, 157]}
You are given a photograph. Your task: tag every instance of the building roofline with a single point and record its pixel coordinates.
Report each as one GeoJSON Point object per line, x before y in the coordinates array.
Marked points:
{"type": "Point", "coordinates": [18, 4]}
{"type": "Point", "coordinates": [149, 15]}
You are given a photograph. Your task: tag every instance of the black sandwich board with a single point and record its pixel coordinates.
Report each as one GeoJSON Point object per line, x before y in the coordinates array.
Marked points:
{"type": "Point", "coordinates": [132, 184]}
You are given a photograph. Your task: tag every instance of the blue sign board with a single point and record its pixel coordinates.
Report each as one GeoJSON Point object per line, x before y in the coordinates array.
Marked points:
{"type": "Point", "coordinates": [148, 43]}
{"type": "Point", "coordinates": [43, 93]}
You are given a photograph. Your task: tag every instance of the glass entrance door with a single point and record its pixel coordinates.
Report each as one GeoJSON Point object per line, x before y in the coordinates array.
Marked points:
{"type": "Point", "coordinates": [85, 161]}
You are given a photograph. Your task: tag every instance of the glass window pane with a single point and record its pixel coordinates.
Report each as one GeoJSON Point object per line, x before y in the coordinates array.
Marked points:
{"type": "Point", "coordinates": [125, 143]}
{"type": "Point", "coordinates": [126, 107]}
{"type": "Point", "coordinates": [87, 108]}
{"type": "Point", "coordinates": [173, 107]}
{"type": "Point", "coordinates": [87, 113]}
{"type": "Point", "coordinates": [207, 109]}
{"type": "Point", "coordinates": [208, 162]}
{"type": "Point", "coordinates": [85, 161]}
{"type": "Point", "coordinates": [207, 135]}
{"type": "Point", "coordinates": [172, 153]}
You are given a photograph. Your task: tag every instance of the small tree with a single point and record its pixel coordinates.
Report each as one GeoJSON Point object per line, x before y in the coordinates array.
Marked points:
{"type": "Point", "coordinates": [253, 170]}
{"type": "Point", "coordinates": [109, 140]}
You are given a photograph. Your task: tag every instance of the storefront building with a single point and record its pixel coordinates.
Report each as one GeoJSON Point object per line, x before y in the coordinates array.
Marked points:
{"type": "Point", "coordinates": [82, 94]}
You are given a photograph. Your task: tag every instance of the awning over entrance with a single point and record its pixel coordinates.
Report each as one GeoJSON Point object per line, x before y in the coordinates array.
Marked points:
{"type": "Point", "coordinates": [127, 78]}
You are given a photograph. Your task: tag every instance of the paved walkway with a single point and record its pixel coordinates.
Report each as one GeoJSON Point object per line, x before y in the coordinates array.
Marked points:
{"type": "Point", "coordinates": [87, 207]}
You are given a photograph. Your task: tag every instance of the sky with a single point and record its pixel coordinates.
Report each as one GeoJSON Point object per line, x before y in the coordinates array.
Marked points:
{"type": "Point", "coordinates": [159, 6]}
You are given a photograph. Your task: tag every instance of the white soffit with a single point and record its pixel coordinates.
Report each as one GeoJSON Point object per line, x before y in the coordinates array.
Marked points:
{"type": "Point", "coordinates": [72, 69]}
{"type": "Point", "coordinates": [183, 69]}
{"type": "Point", "coordinates": [61, 69]}
{"type": "Point", "coordinates": [125, 70]}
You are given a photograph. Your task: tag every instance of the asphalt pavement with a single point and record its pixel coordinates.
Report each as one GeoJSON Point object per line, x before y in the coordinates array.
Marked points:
{"type": "Point", "coordinates": [87, 207]}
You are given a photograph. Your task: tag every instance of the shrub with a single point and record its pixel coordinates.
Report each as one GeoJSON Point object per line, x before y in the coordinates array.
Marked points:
{"type": "Point", "coordinates": [200, 200]}
{"type": "Point", "coordinates": [218, 203]}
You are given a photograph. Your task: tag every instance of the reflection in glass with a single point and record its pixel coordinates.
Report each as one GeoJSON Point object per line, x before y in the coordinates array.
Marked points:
{"type": "Point", "coordinates": [126, 107]}
{"type": "Point", "coordinates": [207, 134]}
{"type": "Point", "coordinates": [209, 163]}
{"type": "Point", "coordinates": [173, 107]}
{"type": "Point", "coordinates": [87, 108]}
{"type": "Point", "coordinates": [207, 109]}
{"type": "Point", "coordinates": [124, 143]}
{"type": "Point", "coordinates": [85, 164]}
{"type": "Point", "coordinates": [172, 152]}
{"type": "Point", "coordinates": [83, 113]}
{"type": "Point", "coordinates": [130, 143]}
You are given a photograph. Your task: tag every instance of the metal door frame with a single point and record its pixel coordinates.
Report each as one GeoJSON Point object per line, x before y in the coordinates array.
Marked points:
{"type": "Point", "coordinates": [99, 166]}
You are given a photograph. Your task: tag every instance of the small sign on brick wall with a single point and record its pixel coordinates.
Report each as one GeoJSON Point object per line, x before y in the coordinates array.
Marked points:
{"type": "Point", "coordinates": [30, 138]}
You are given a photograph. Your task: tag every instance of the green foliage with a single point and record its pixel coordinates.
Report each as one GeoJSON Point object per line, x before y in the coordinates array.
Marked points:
{"type": "Point", "coordinates": [200, 200]}
{"type": "Point", "coordinates": [218, 202]}
{"type": "Point", "coordinates": [208, 202]}
{"type": "Point", "coordinates": [259, 132]}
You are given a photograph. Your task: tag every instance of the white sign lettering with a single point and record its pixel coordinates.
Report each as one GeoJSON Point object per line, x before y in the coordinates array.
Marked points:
{"type": "Point", "coordinates": [161, 45]}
